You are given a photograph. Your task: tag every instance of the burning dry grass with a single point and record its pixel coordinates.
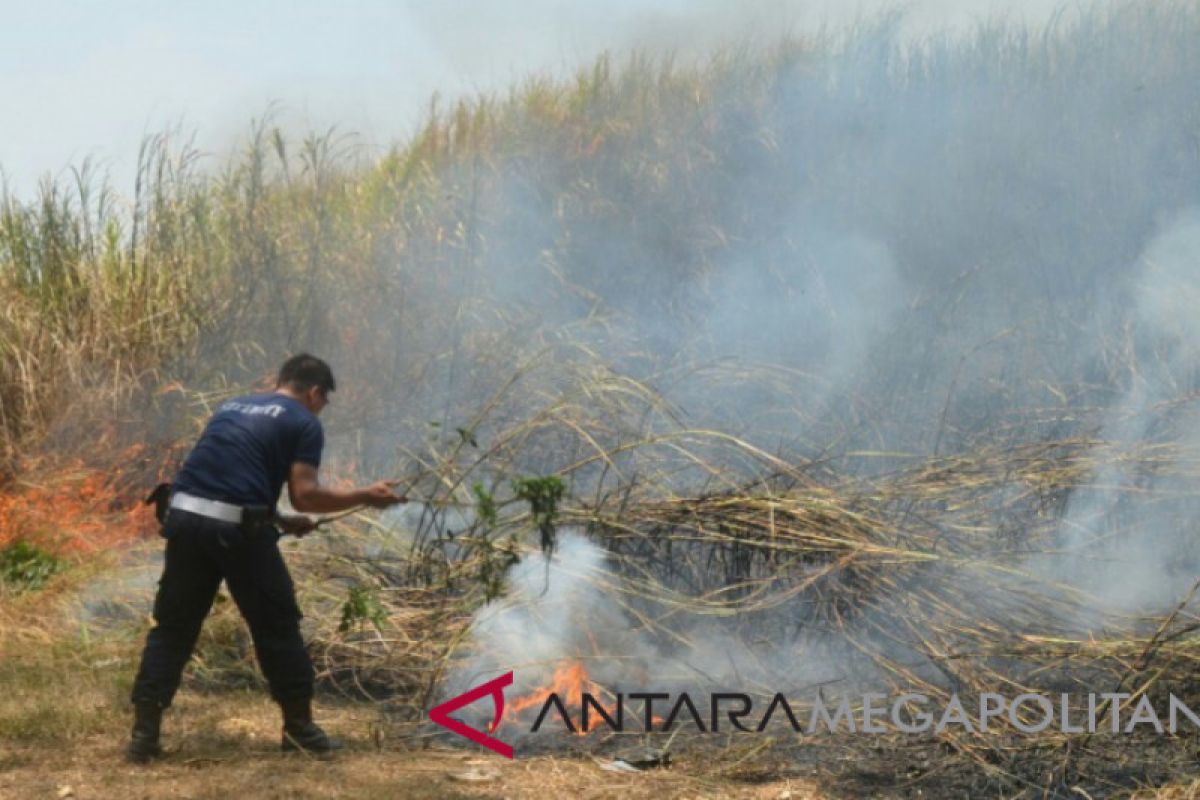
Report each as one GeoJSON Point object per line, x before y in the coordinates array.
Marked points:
{"type": "Point", "coordinates": [76, 509]}
{"type": "Point", "coordinates": [932, 578]}
{"type": "Point", "coordinates": [940, 576]}
{"type": "Point", "coordinates": [924, 578]}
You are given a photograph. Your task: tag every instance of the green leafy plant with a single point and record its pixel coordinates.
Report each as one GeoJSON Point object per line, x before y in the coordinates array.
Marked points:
{"type": "Point", "coordinates": [485, 505]}
{"type": "Point", "coordinates": [362, 606]}
{"type": "Point", "coordinates": [26, 567]}
{"type": "Point", "coordinates": [543, 494]}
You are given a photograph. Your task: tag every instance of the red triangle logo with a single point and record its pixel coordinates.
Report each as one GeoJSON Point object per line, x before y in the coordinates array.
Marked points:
{"type": "Point", "coordinates": [495, 687]}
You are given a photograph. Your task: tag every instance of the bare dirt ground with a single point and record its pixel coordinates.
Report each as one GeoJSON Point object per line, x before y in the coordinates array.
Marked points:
{"type": "Point", "coordinates": [65, 718]}
{"type": "Point", "coordinates": [226, 745]}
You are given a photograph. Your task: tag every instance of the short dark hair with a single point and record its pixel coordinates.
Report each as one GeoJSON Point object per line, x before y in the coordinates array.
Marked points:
{"type": "Point", "coordinates": [303, 371]}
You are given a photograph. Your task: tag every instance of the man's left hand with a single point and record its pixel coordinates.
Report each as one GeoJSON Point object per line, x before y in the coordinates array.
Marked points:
{"type": "Point", "coordinates": [295, 524]}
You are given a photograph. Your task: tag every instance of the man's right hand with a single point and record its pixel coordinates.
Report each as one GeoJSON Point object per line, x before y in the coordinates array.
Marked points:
{"type": "Point", "coordinates": [382, 494]}
{"type": "Point", "coordinates": [310, 497]}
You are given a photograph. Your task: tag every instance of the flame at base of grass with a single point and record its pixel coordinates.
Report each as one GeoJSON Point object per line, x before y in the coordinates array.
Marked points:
{"type": "Point", "coordinates": [73, 509]}
{"type": "Point", "coordinates": [569, 682]}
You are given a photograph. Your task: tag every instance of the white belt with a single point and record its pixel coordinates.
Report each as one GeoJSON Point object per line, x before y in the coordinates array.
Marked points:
{"type": "Point", "coordinates": [213, 509]}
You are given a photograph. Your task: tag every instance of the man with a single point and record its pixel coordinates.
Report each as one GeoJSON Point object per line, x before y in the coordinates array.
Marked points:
{"type": "Point", "coordinates": [221, 524]}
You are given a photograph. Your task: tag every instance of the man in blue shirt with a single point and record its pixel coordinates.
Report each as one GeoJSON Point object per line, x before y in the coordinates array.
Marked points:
{"type": "Point", "coordinates": [222, 524]}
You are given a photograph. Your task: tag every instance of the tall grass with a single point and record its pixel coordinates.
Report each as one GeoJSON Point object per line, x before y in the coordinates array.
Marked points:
{"type": "Point", "coordinates": [1012, 177]}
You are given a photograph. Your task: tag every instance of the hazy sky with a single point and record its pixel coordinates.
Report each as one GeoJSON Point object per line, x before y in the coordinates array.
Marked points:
{"type": "Point", "coordinates": [81, 79]}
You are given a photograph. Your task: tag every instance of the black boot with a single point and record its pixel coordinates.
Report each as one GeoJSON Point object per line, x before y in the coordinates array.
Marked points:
{"type": "Point", "coordinates": [143, 745]}
{"type": "Point", "coordinates": [300, 733]}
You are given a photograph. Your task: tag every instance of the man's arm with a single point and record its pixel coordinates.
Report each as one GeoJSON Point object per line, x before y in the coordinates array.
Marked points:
{"type": "Point", "coordinates": [307, 495]}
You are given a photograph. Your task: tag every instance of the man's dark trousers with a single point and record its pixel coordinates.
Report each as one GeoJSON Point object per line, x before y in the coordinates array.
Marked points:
{"type": "Point", "coordinates": [200, 552]}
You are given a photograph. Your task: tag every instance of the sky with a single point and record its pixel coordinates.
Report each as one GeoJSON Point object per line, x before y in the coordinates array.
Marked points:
{"type": "Point", "coordinates": [85, 80]}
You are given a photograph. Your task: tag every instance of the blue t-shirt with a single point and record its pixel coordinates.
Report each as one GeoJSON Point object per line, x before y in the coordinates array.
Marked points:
{"type": "Point", "coordinates": [247, 449]}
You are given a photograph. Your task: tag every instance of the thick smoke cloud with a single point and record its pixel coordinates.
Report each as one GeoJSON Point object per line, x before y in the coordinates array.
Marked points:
{"type": "Point", "coordinates": [859, 240]}
{"type": "Point", "coordinates": [980, 240]}
{"type": "Point", "coordinates": [930, 240]}
{"type": "Point", "coordinates": [1129, 540]}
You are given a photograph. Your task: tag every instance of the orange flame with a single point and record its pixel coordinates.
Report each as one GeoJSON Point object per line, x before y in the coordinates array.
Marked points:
{"type": "Point", "coordinates": [570, 682]}
{"type": "Point", "coordinates": [72, 508]}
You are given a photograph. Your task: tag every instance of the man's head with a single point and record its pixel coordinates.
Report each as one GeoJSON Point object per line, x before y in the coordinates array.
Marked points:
{"type": "Point", "coordinates": [308, 379]}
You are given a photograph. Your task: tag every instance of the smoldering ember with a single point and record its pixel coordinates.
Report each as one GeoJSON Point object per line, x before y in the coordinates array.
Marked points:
{"type": "Point", "coordinates": [868, 713]}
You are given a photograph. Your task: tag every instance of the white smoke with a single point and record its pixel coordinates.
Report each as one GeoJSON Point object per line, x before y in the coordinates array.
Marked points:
{"type": "Point", "coordinates": [1128, 536]}
{"type": "Point", "coordinates": [575, 609]}
{"type": "Point", "coordinates": [566, 609]}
